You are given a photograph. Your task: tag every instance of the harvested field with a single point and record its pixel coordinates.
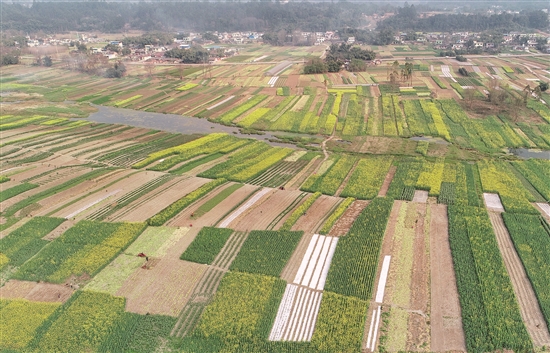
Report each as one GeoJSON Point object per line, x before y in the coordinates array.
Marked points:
{"type": "Point", "coordinates": [344, 223]}
{"type": "Point", "coordinates": [260, 195]}
{"type": "Point", "coordinates": [215, 214]}
{"type": "Point", "coordinates": [420, 196]}
{"type": "Point", "coordinates": [319, 210]}
{"type": "Point", "coordinates": [164, 289]}
{"type": "Point", "coordinates": [159, 201]}
{"type": "Point", "coordinates": [130, 180]}
{"type": "Point", "coordinates": [527, 300]}
{"type": "Point", "coordinates": [447, 333]}
{"type": "Point", "coordinates": [262, 213]}
{"type": "Point", "coordinates": [39, 292]}
{"type": "Point", "coordinates": [387, 181]}
{"type": "Point", "coordinates": [492, 202]}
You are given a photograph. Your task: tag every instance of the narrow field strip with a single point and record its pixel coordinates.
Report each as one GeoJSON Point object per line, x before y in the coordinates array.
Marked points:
{"type": "Point", "coordinates": [297, 314]}
{"type": "Point", "coordinates": [244, 207]}
{"type": "Point", "coordinates": [84, 208]}
{"type": "Point", "coordinates": [220, 103]}
{"type": "Point", "coordinates": [383, 279]}
{"type": "Point", "coordinates": [314, 267]}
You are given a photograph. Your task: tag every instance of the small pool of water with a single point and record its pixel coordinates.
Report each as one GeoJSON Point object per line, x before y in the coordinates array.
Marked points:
{"type": "Point", "coordinates": [173, 123]}
{"type": "Point", "coordinates": [437, 140]}
{"type": "Point", "coordinates": [526, 153]}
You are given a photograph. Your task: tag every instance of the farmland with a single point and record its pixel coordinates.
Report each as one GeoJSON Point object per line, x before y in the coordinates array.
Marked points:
{"type": "Point", "coordinates": [369, 217]}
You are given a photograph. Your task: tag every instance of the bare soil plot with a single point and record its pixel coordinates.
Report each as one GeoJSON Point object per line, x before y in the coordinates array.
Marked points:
{"type": "Point", "coordinates": [299, 178]}
{"type": "Point", "coordinates": [492, 202]}
{"type": "Point", "coordinates": [419, 319]}
{"type": "Point", "coordinates": [163, 289]}
{"type": "Point", "coordinates": [213, 216]}
{"type": "Point", "coordinates": [39, 292]}
{"type": "Point", "coordinates": [260, 215]}
{"type": "Point", "coordinates": [317, 213]}
{"type": "Point", "coordinates": [446, 318]}
{"type": "Point", "coordinates": [156, 203]}
{"type": "Point", "coordinates": [344, 223]}
{"type": "Point", "coordinates": [131, 180]}
{"type": "Point", "coordinates": [387, 181]}
{"type": "Point", "coordinates": [527, 300]}
{"type": "Point", "coordinates": [51, 203]}
{"type": "Point", "coordinates": [420, 196]}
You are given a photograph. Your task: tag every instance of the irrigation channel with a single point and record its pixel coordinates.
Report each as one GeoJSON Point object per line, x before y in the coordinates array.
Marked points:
{"type": "Point", "coordinates": [176, 123]}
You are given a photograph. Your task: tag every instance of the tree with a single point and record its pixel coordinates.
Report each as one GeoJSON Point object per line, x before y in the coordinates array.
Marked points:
{"type": "Point", "coordinates": [357, 65]}
{"type": "Point", "coordinates": [385, 36]}
{"type": "Point", "coordinates": [543, 86]}
{"type": "Point", "coordinates": [47, 61]}
{"type": "Point", "coordinates": [315, 66]}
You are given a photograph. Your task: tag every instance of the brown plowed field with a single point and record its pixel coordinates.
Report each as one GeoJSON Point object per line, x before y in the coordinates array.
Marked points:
{"type": "Point", "coordinates": [344, 223]}
{"type": "Point", "coordinates": [156, 203]}
{"type": "Point", "coordinates": [51, 203]}
{"type": "Point", "coordinates": [289, 272]}
{"type": "Point", "coordinates": [260, 215]}
{"type": "Point", "coordinates": [164, 289]}
{"type": "Point", "coordinates": [528, 304]}
{"type": "Point", "coordinates": [317, 213]}
{"type": "Point", "coordinates": [387, 181]}
{"type": "Point", "coordinates": [446, 318]}
{"type": "Point", "coordinates": [213, 216]}
{"type": "Point", "coordinates": [39, 292]}
{"type": "Point", "coordinates": [132, 181]}
{"type": "Point", "coordinates": [419, 319]}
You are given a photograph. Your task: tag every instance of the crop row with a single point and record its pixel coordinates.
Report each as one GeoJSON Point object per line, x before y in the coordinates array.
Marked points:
{"type": "Point", "coordinates": [20, 319]}
{"type": "Point", "coordinates": [431, 177]}
{"type": "Point", "coordinates": [329, 182]}
{"type": "Point", "coordinates": [266, 252]}
{"type": "Point", "coordinates": [367, 178]}
{"type": "Point", "coordinates": [206, 246]}
{"type": "Point", "coordinates": [187, 86]}
{"type": "Point", "coordinates": [24, 242]}
{"type": "Point", "coordinates": [405, 178]}
{"type": "Point", "coordinates": [127, 100]}
{"type": "Point", "coordinates": [532, 243]}
{"type": "Point", "coordinates": [179, 205]}
{"type": "Point", "coordinates": [536, 172]}
{"type": "Point", "coordinates": [84, 248]}
{"type": "Point", "coordinates": [10, 211]}
{"type": "Point", "coordinates": [496, 177]}
{"type": "Point", "coordinates": [16, 190]}
{"type": "Point", "coordinates": [490, 313]}
{"type": "Point", "coordinates": [196, 144]}
{"type": "Point", "coordinates": [339, 211]}
{"type": "Point", "coordinates": [225, 143]}
{"type": "Point", "coordinates": [356, 258]}
{"type": "Point", "coordinates": [241, 109]}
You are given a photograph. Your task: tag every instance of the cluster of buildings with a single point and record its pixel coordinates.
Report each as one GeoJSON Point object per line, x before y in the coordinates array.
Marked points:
{"type": "Point", "coordinates": [472, 40]}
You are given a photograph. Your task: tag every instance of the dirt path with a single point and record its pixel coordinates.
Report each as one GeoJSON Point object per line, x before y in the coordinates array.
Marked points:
{"type": "Point", "coordinates": [387, 181]}
{"type": "Point", "coordinates": [446, 318]}
{"type": "Point", "coordinates": [528, 304]}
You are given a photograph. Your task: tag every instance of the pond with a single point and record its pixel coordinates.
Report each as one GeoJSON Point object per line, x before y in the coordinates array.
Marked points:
{"type": "Point", "coordinates": [437, 140]}
{"type": "Point", "coordinates": [526, 153]}
{"type": "Point", "coordinates": [172, 123]}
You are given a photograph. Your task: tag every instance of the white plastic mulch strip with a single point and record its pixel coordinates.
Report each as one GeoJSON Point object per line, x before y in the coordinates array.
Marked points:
{"type": "Point", "coordinates": [84, 208]}
{"type": "Point", "coordinates": [244, 207]}
{"type": "Point", "coordinates": [383, 279]}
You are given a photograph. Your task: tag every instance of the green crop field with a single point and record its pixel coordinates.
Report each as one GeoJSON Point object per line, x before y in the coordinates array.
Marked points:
{"type": "Point", "coordinates": [109, 241]}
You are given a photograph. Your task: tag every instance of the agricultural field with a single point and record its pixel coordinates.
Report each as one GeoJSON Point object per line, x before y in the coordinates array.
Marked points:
{"type": "Point", "coordinates": [247, 207]}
